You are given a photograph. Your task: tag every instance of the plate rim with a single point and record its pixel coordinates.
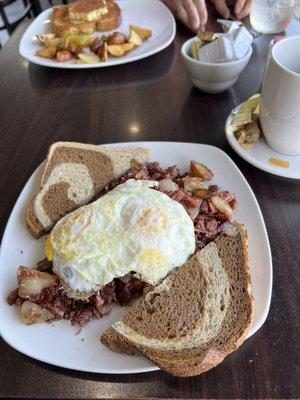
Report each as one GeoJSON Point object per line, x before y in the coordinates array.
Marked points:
{"type": "Point", "coordinates": [120, 371]}
{"type": "Point", "coordinates": [285, 173]}
{"type": "Point", "coordinates": [43, 62]}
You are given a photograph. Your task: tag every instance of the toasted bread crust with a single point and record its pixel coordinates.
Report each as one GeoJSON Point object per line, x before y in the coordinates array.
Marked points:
{"type": "Point", "coordinates": [112, 19]}
{"type": "Point", "coordinates": [118, 343]}
{"type": "Point", "coordinates": [86, 6]}
{"type": "Point", "coordinates": [32, 223]}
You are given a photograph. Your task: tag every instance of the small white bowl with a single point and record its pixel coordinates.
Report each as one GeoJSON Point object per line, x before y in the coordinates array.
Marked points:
{"type": "Point", "coordinates": [212, 77]}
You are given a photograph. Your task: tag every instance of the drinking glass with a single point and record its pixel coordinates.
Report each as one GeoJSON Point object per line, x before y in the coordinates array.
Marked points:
{"type": "Point", "coordinates": [271, 16]}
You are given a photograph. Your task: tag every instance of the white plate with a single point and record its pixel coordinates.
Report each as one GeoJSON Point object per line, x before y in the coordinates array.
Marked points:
{"type": "Point", "coordinates": [57, 344]}
{"type": "Point", "coordinates": [151, 14]}
{"type": "Point", "coordinates": [260, 153]}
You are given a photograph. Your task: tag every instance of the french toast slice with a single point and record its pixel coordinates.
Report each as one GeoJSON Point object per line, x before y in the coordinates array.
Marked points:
{"type": "Point", "coordinates": [89, 11]}
{"type": "Point", "coordinates": [60, 22]}
{"type": "Point", "coordinates": [111, 20]}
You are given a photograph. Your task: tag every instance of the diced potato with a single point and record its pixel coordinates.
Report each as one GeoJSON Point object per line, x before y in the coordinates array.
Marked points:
{"type": "Point", "coordinates": [143, 33]}
{"type": "Point", "coordinates": [192, 183]}
{"type": "Point", "coordinates": [200, 171]}
{"type": "Point", "coordinates": [119, 50]}
{"type": "Point", "coordinates": [95, 45]}
{"type": "Point", "coordinates": [193, 212]}
{"type": "Point", "coordinates": [116, 38]}
{"type": "Point", "coordinates": [89, 58]}
{"type": "Point", "coordinates": [43, 37]}
{"type": "Point", "coordinates": [33, 285]}
{"type": "Point", "coordinates": [201, 193]}
{"type": "Point", "coordinates": [55, 42]}
{"type": "Point", "coordinates": [168, 185]}
{"type": "Point", "coordinates": [31, 313]}
{"type": "Point", "coordinates": [48, 40]}
{"type": "Point", "coordinates": [222, 206]}
{"type": "Point", "coordinates": [135, 38]}
{"type": "Point", "coordinates": [47, 52]}
{"type": "Point", "coordinates": [102, 52]}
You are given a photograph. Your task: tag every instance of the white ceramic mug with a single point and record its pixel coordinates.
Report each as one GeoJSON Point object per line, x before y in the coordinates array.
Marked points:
{"type": "Point", "coordinates": [280, 97]}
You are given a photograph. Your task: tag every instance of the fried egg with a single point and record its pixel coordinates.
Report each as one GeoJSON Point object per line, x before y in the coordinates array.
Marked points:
{"type": "Point", "coordinates": [131, 228]}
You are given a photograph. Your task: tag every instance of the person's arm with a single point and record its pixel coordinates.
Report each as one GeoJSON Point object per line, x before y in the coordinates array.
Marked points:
{"type": "Point", "coordinates": [192, 13]}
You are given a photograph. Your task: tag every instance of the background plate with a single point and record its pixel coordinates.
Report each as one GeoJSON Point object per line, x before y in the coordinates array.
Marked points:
{"type": "Point", "coordinates": [58, 344]}
{"type": "Point", "coordinates": [151, 14]}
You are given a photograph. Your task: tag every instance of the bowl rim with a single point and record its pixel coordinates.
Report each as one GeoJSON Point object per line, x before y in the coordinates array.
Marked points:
{"type": "Point", "coordinates": [227, 63]}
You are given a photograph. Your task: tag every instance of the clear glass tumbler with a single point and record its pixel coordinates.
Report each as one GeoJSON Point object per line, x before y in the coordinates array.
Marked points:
{"type": "Point", "coordinates": [271, 16]}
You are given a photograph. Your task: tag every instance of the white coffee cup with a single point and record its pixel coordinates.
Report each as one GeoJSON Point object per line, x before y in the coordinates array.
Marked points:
{"type": "Point", "coordinates": [280, 97]}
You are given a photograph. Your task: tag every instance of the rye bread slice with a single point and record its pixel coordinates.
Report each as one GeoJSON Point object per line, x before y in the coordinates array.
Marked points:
{"type": "Point", "coordinates": [197, 315]}
{"type": "Point", "coordinates": [73, 175]}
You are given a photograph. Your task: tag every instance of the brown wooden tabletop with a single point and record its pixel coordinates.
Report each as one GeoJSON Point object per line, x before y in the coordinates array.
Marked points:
{"type": "Point", "coordinates": [151, 99]}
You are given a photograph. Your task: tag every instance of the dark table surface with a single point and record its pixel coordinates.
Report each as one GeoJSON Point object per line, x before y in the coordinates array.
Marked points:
{"type": "Point", "coordinates": [151, 99]}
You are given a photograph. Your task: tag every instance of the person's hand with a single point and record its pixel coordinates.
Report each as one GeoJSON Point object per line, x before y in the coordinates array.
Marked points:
{"type": "Point", "coordinates": [241, 8]}
{"type": "Point", "coordinates": [192, 13]}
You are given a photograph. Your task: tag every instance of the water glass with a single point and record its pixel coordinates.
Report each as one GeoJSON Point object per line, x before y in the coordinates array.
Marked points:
{"type": "Point", "coordinates": [271, 16]}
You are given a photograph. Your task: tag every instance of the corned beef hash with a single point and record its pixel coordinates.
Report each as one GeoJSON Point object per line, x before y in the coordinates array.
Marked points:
{"type": "Point", "coordinates": [141, 227]}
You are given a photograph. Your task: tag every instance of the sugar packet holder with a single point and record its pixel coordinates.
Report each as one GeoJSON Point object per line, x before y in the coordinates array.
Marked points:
{"type": "Point", "coordinates": [222, 47]}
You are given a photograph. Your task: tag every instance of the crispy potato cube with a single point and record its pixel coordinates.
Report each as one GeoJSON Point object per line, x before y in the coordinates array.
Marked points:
{"type": "Point", "coordinates": [119, 50]}
{"type": "Point", "coordinates": [89, 58]}
{"type": "Point", "coordinates": [47, 52]}
{"type": "Point", "coordinates": [201, 193]}
{"type": "Point", "coordinates": [135, 38]}
{"type": "Point", "coordinates": [193, 212]}
{"type": "Point", "coordinates": [102, 52]}
{"type": "Point", "coordinates": [116, 38]}
{"type": "Point", "coordinates": [34, 283]}
{"type": "Point", "coordinates": [143, 33]}
{"type": "Point", "coordinates": [200, 171]}
{"type": "Point", "coordinates": [43, 37]}
{"type": "Point", "coordinates": [168, 185]}
{"type": "Point", "coordinates": [31, 313]}
{"type": "Point", "coordinates": [222, 206]}
{"type": "Point", "coordinates": [193, 183]}
{"type": "Point", "coordinates": [52, 42]}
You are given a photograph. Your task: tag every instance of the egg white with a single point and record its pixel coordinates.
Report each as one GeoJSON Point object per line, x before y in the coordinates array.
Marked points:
{"type": "Point", "coordinates": [131, 228]}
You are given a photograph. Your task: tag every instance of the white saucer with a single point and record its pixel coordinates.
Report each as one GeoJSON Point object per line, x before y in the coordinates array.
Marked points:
{"type": "Point", "coordinates": [260, 153]}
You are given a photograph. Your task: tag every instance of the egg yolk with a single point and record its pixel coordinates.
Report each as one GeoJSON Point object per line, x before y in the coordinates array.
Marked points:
{"type": "Point", "coordinates": [48, 248]}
